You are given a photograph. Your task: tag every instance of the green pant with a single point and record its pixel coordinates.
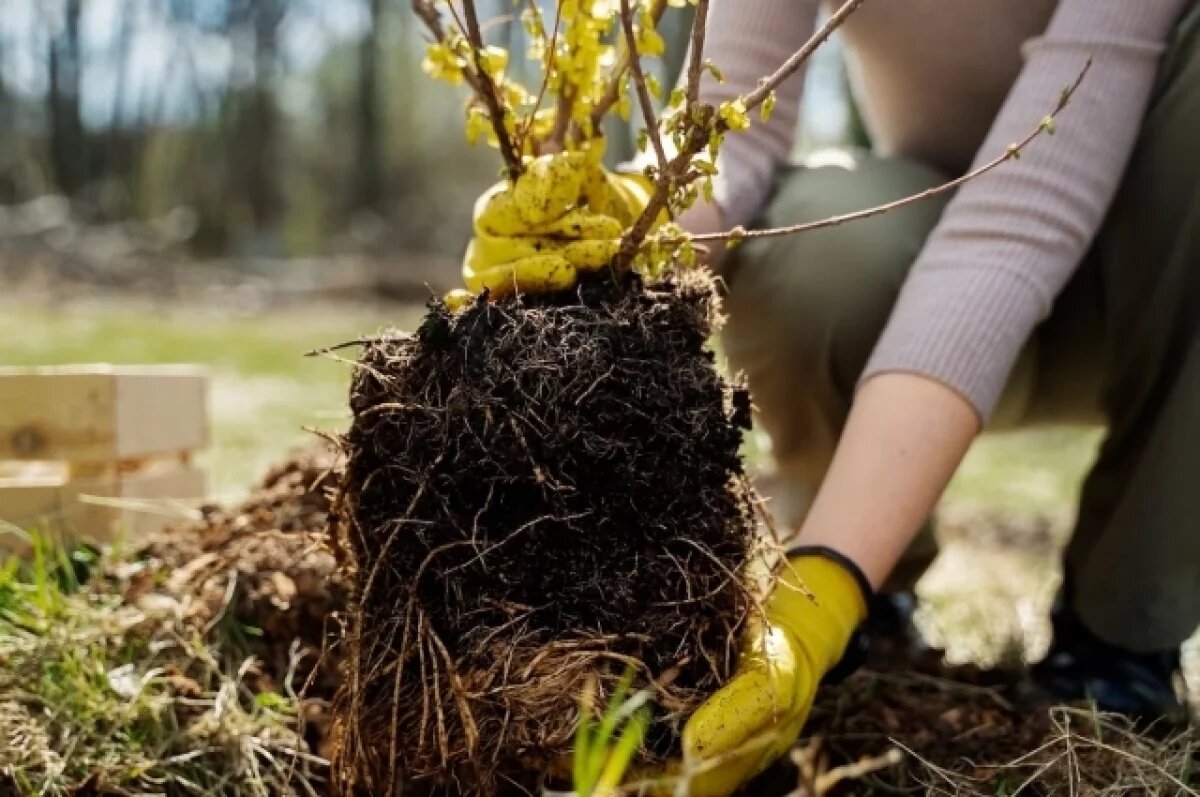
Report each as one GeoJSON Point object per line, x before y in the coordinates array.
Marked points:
{"type": "Point", "coordinates": [1121, 347]}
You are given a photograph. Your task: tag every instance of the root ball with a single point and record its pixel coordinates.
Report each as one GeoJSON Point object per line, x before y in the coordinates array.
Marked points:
{"type": "Point", "coordinates": [539, 493]}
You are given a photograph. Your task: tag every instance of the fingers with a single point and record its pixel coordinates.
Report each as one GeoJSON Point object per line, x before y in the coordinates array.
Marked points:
{"type": "Point", "coordinates": [487, 252]}
{"type": "Point", "coordinates": [564, 215]}
{"type": "Point", "coordinates": [743, 727]}
{"type": "Point", "coordinates": [549, 187]}
{"type": "Point", "coordinates": [538, 274]}
{"type": "Point", "coordinates": [747, 707]}
{"type": "Point", "coordinates": [580, 223]}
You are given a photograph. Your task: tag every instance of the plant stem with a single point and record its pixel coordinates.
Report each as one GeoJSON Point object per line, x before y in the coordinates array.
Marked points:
{"type": "Point", "coordinates": [551, 45]}
{"type": "Point", "coordinates": [696, 62]}
{"type": "Point", "coordinates": [639, 82]}
{"type": "Point", "coordinates": [1012, 152]}
{"type": "Point", "coordinates": [701, 123]}
{"type": "Point", "coordinates": [801, 56]}
{"type": "Point", "coordinates": [617, 80]}
{"type": "Point", "coordinates": [488, 92]}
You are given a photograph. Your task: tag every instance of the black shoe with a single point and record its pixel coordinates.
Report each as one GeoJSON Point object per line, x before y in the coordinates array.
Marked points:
{"type": "Point", "coordinates": [1082, 667]}
{"type": "Point", "coordinates": [890, 615]}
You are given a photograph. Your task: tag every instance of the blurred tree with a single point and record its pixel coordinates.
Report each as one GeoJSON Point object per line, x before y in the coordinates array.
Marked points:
{"type": "Point", "coordinates": [68, 139]}
{"type": "Point", "coordinates": [285, 127]}
{"type": "Point", "coordinates": [369, 166]}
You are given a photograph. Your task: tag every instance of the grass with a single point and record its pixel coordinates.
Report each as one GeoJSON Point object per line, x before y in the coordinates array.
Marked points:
{"type": "Point", "coordinates": [98, 693]}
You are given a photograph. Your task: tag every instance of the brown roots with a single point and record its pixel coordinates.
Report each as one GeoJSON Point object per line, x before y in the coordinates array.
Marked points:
{"type": "Point", "coordinates": [539, 495]}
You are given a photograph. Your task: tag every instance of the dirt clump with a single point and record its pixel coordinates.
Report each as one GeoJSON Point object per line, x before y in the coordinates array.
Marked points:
{"type": "Point", "coordinates": [262, 575]}
{"type": "Point", "coordinates": [539, 493]}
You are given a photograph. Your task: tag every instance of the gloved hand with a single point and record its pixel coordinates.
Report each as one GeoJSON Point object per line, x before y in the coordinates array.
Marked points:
{"type": "Point", "coordinates": [758, 715]}
{"type": "Point", "coordinates": [564, 215]}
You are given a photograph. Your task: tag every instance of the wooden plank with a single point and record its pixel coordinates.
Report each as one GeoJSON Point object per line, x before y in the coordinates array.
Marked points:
{"type": "Point", "coordinates": [101, 412]}
{"type": "Point", "coordinates": [161, 412]}
{"type": "Point", "coordinates": [127, 506]}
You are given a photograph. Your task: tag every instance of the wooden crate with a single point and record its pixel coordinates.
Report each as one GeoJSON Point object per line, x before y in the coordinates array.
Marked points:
{"type": "Point", "coordinates": [95, 451]}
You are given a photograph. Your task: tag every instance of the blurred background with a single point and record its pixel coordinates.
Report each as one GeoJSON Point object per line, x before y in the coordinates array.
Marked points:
{"type": "Point", "coordinates": [236, 182]}
{"type": "Point", "coordinates": [235, 132]}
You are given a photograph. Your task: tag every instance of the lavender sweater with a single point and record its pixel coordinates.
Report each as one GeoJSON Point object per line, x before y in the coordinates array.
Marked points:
{"type": "Point", "coordinates": [952, 83]}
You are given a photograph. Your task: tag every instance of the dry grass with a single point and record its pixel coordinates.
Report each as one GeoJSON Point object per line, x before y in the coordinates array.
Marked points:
{"type": "Point", "coordinates": [100, 696]}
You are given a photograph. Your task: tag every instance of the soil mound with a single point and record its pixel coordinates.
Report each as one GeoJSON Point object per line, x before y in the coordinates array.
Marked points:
{"type": "Point", "coordinates": [264, 568]}
{"type": "Point", "coordinates": [539, 493]}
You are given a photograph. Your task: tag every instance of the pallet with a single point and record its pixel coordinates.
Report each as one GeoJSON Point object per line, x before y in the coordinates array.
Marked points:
{"type": "Point", "coordinates": [95, 452]}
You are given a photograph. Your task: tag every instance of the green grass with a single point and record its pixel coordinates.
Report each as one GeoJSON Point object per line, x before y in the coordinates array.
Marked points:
{"type": "Point", "coordinates": [264, 390]}
{"type": "Point", "coordinates": [98, 693]}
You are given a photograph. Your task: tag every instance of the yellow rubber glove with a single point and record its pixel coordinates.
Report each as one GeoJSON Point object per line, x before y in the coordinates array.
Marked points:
{"type": "Point", "coordinates": [563, 216]}
{"type": "Point", "coordinates": [758, 715]}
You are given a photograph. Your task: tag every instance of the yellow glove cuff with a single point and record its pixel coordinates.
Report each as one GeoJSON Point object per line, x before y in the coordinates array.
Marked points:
{"type": "Point", "coordinates": [821, 599]}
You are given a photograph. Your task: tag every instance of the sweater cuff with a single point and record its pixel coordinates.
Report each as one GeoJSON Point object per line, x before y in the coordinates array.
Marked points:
{"type": "Point", "coordinates": [962, 326]}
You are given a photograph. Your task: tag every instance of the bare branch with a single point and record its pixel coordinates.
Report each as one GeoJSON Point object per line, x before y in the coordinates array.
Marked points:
{"type": "Point", "coordinates": [617, 80]}
{"type": "Point", "coordinates": [1046, 125]}
{"type": "Point", "coordinates": [696, 62]}
{"type": "Point", "coordinates": [488, 91]}
{"type": "Point", "coordinates": [696, 139]}
{"type": "Point", "coordinates": [701, 122]}
{"type": "Point", "coordinates": [562, 122]}
{"type": "Point", "coordinates": [551, 46]}
{"type": "Point", "coordinates": [801, 56]}
{"type": "Point", "coordinates": [639, 82]}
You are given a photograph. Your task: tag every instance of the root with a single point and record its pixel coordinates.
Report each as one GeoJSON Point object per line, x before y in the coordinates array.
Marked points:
{"type": "Point", "coordinates": [539, 494]}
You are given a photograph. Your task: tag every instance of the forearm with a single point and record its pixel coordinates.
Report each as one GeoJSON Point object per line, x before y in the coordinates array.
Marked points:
{"type": "Point", "coordinates": [905, 437]}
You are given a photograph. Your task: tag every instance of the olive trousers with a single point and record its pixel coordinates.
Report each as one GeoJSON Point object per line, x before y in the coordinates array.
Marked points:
{"type": "Point", "coordinates": [1121, 347]}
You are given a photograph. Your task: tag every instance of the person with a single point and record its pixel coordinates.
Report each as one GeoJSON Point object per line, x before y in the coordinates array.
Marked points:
{"type": "Point", "coordinates": [1063, 286]}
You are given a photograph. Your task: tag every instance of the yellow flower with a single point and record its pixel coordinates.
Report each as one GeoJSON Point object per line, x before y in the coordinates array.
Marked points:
{"type": "Point", "coordinates": [443, 63]}
{"type": "Point", "coordinates": [649, 43]}
{"type": "Point", "coordinates": [733, 114]}
{"type": "Point", "coordinates": [478, 125]}
{"type": "Point", "coordinates": [494, 60]}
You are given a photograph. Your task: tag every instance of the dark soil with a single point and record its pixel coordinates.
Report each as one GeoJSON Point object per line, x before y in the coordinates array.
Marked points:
{"type": "Point", "coordinates": [539, 493]}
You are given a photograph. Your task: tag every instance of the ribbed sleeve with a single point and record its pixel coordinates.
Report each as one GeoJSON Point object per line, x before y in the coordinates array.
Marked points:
{"type": "Point", "coordinates": [1008, 242]}
{"type": "Point", "coordinates": [748, 40]}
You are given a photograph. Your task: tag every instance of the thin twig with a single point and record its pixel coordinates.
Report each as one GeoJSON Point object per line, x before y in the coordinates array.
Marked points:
{"type": "Point", "coordinates": [639, 82]}
{"type": "Point", "coordinates": [702, 124]}
{"type": "Point", "coordinates": [617, 79]}
{"type": "Point", "coordinates": [801, 56]}
{"type": "Point", "coordinates": [551, 47]}
{"type": "Point", "coordinates": [562, 122]}
{"type": "Point", "coordinates": [1011, 153]}
{"type": "Point", "coordinates": [857, 770]}
{"type": "Point", "coordinates": [696, 64]}
{"type": "Point", "coordinates": [488, 91]}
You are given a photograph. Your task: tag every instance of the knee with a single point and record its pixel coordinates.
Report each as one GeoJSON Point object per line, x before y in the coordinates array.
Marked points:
{"type": "Point", "coordinates": [816, 302]}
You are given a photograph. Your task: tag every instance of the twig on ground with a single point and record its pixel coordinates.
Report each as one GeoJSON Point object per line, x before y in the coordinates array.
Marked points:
{"type": "Point", "coordinates": [859, 769]}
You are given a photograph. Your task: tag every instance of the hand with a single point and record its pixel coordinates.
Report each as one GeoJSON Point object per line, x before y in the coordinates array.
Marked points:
{"type": "Point", "coordinates": [563, 216]}
{"type": "Point", "coordinates": [758, 715]}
